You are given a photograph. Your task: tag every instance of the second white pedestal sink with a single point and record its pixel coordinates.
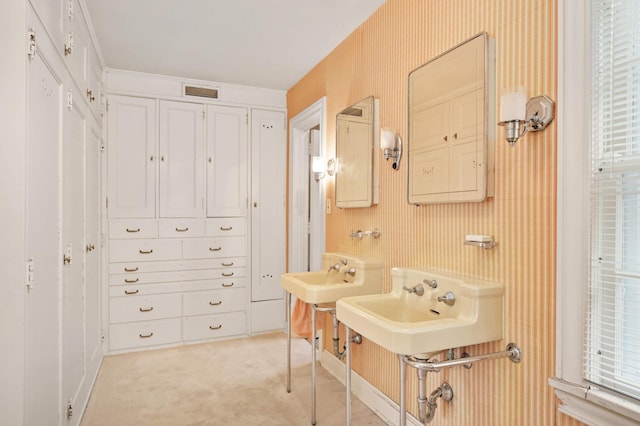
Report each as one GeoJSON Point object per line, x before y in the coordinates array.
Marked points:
{"type": "Point", "coordinates": [419, 316]}
{"type": "Point", "coordinates": [341, 275]}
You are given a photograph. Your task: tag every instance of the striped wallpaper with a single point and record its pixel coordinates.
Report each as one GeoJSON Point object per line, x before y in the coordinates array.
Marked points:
{"type": "Point", "coordinates": [376, 60]}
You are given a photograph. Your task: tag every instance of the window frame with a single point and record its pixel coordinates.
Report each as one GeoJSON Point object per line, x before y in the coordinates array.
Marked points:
{"type": "Point", "coordinates": [579, 399]}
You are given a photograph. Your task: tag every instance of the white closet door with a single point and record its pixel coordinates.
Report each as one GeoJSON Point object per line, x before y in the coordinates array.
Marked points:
{"type": "Point", "coordinates": [92, 247]}
{"type": "Point", "coordinates": [227, 161]}
{"type": "Point", "coordinates": [132, 157]}
{"type": "Point", "coordinates": [42, 392]}
{"type": "Point", "coordinates": [268, 216]}
{"type": "Point", "coordinates": [73, 289]}
{"type": "Point", "coordinates": [181, 159]}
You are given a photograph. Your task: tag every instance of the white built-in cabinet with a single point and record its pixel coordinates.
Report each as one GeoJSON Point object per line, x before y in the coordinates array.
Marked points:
{"type": "Point", "coordinates": [63, 203]}
{"type": "Point", "coordinates": [183, 241]}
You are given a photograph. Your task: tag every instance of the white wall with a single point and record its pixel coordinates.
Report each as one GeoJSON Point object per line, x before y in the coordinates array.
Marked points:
{"type": "Point", "coordinates": [12, 167]}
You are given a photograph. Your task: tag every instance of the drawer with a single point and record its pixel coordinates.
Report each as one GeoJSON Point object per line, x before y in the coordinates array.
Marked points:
{"type": "Point", "coordinates": [226, 227]}
{"type": "Point", "coordinates": [214, 284]}
{"type": "Point", "coordinates": [144, 250]}
{"type": "Point", "coordinates": [213, 326]}
{"type": "Point", "coordinates": [145, 333]}
{"type": "Point", "coordinates": [176, 265]}
{"type": "Point", "coordinates": [181, 228]}
{"type": "Point", "coordinates": [203, 248]}
{"type": "Point", "coordinates": [212, 302]}
{"type": "Point", "coordinates": [133, 228]}
{"type": "Point", "coordinates": [145, 289]}
{"type": "Point", "coordinates": [140, 308]}
{"type": "Point", "coordinates": [145, 278]}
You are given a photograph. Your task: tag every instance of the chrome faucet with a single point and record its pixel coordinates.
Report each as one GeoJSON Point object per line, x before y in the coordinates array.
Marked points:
{"type": "Point", "coordinates": [449, 298]}
{"type": "Point", "coordinates": [418, 289]}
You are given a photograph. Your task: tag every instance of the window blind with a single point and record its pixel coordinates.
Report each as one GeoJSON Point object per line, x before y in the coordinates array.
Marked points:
{"type": "Point", "coordinates": [612, 341]}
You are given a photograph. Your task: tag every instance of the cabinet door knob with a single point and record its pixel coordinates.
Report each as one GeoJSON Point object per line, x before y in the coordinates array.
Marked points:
{"type": "Point", "coordinates": [128, 281]}
{"type": "Point", "coordinates": [215, 248]}
{"type": "Point", "coordinates": [146, 309]}
{"type": "Point", "coordinates": [230, 274]}
{"type": "Point", "coordinates": [215, 327]}
{"type": "Point", "coordinates": [145, 251]}
{"type": "Point", "coordinates": [131, 292]}
{"type": "Point", "coordinates": [216, 303]}
{"type": "Point", "coordinates": [145, 336]}
{"type": "Point", "coordinates": [182, 229]}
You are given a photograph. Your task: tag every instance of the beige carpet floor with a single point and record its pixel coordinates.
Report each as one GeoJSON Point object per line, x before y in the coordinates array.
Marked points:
{"type": "Point", "coordinates": [233, 382]}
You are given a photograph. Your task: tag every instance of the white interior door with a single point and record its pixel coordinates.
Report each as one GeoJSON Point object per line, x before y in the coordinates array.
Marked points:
{"type": "Point", "coordinates": [268, 217]}
{"type": "Point", "coordinates": [306, 196]}
{"type": "Point", "coordinates": [42, 237]}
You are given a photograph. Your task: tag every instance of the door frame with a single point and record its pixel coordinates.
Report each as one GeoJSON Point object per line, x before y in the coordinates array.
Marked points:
{"type": "Point", "coordinates": [314, 115]}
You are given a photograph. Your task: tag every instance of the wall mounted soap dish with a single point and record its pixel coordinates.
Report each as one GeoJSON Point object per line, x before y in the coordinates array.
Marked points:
{"type": "Point", "coordinates": [483, 241]}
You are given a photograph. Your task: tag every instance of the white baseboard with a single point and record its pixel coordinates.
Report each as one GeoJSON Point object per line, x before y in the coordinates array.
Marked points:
{"type": "Point", "coordinates": [369, 395]}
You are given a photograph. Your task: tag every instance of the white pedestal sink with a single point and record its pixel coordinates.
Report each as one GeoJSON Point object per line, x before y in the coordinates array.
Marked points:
{"type": "Point", "coordinates": [409, 324]}
{"type": "Point", "coordinates": [341, 275]}
{"type": "Point", "coordinates": [425, 313]}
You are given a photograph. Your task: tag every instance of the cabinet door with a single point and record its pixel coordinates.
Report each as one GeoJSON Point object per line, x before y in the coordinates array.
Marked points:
{"type": "Point", "coordinates": [132, 157]}
{"type": "Point", "coordinates": [227, 159]}
{"type": "Point", "coordinates": [181, 159]}
{"type": "Point", "coordinates": [268, 167]}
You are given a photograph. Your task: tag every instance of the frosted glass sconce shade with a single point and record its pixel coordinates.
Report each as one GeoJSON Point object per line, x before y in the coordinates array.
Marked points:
{"type": "Point", "coordinates": [519, 115]}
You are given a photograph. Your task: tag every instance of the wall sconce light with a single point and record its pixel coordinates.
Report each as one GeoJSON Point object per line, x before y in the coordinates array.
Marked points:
{"type": "Point", "coordinates": [320, 166]}
{"type": "Point", "coordinates": [391, 144]}
{"type": "Point", "coordinates": [519, 115]}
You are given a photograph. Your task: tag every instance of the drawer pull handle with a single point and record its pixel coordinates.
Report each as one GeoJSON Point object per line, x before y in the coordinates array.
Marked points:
{"type": "Point", "coordinates": [133, 230]}
{"type": "Point", "coordinates": [217, 327]}
{"type": "Point", "coordinates": [226, 228]}
{"type": "Point", "coordinates": [182, 229]}
{"type": "Point", "coordinates": [128, 281]}
{"type": "Point", "coordinates": [131, 292]}
{"type": "Point", "coordinates": [145, 336]}
{"type": "Point", "coordinates": [145, 251]}
{"type": "Point", "coordinates": [230, 274]}
{"type": "Point", "coordinates": [227, 285]}
{"type": "Point", "coordinates": [227, 264]}
{"type": "Point", "coordinates": [146, 310]}
{"type": "Point", "coordinates": [216, 303]}
{"type": "Point", "coordinates": [215, 248]}
{"type": "Point", "coordinates": [130, 269]}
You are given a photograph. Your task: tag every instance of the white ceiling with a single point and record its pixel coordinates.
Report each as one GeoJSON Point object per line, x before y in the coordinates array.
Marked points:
{"type": "Point", "coordinates": [262, 43]}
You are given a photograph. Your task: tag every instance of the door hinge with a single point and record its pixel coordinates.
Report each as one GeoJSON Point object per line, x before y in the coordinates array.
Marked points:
{"type": "Point", "coordinates": [30, 270]}
{"type": "Point", "coordinates": [31, 44]}
{"type": "Point", "coordinates": [66, 257]}
{"type": "Point", "coordinates": [204, 114]}
{"type": "Point", "coordinates": [70, 9]}
{"type": "Point", "coordinates": [70, 409]}
{"type": "Point", "coordinates": [70, 100]}
{"type": "Point", "coordinates": [308, 228]}
{"type": "Point", "coordinates": [68, 47]}
{"type": "Point", "coordinates": [101, 240]}
{"type": "Point", "coordinates": [107, 203]}
{"type": "Point", "coordinates": [107, 106]}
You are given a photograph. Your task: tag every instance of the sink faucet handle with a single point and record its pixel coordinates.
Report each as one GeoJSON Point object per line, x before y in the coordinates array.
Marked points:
{"type": "Point", "coordinates": [335, 267]}
{"type": "Point", "coordinates": [431, 283]}
{"type": "Point", "coordinates": [418, 289]}
{"type": "Point", "coordinates": [344, 261]}
{"type": "Point", "coordinates": [449, 298]}
{"type": "Point", "coordinates": [351, 271]}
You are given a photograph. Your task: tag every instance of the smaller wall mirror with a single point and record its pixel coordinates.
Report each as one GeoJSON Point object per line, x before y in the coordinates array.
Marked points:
{"type": "Point", "coordinates": [356, 140]}
{"type": "Point", "coordinates": [451, 125]}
